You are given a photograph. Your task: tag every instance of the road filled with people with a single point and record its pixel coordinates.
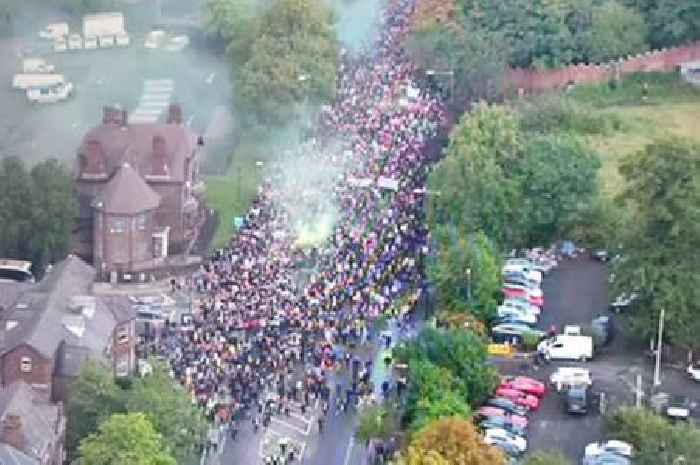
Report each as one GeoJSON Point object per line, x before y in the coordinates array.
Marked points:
{"type": "Point", "coordinates": [261, 338]}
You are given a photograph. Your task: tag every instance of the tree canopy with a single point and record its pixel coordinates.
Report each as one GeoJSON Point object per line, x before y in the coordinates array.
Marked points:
{"type": "Point", "coordinates": [450, 440]}
{"type": "Point", "coordinates": [547, 458]}
{"type": "Point", "coordinates": [125, 439]}
{"type": "Point", "coordinates": [284, 54]}
{"type": "Point", "coordinates": [655, 439]}
{"type": "Point", "coordinates": [660, 242]}
{"type": "Point", "coordinates": [37, 210]}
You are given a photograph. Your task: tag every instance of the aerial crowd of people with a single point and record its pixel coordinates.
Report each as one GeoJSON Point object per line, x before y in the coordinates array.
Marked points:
{"type": "Point", "coordinates": [275, 317]}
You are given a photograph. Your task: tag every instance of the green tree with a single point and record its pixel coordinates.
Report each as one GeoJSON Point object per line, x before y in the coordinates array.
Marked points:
{"type": "Point", "coordinates": [462, 353]}
{"type": "Point", "coordinates": [94, 396]}
{"type": "Point", "coordinates": [376, 422]}
{"type": "Point", "coordinates": [293, 60]}
{"type": "Point", "coordinates": [655, 439]}
{"type": "Point", "coordinates": [16, 205]}
{"type": "Point", "coordinates": [547, 458]}
{"type": "Point", "coordinates": [169, 409]}
{"type": "Point", "coordinates": [125, 439]}
{"type": "Point", "coordinates": [616, 31]}
{"type": "Point", "coordinates": [660, 243]}
{"type": "Point", "coordinates": [53, 219]}
{"type": "Point", "coordinates": [478, 192]}
{"type": "Point", "coordinates": [558, 177]}
{"type": "Point", "coordinates": [673, 22]}
{"type": "Point", "coordinates": [466, 271]}
{"type": "Point", "coordinates": [236, 23]}
{"type": "Point", "coordinates": [450, 404]}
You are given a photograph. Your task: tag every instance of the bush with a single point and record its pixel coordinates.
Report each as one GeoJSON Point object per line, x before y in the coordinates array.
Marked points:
{"type": "Point", "coordinates": [551, 113]}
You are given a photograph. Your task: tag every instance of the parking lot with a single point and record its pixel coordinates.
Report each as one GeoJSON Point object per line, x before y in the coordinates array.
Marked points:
{"type": "Point", "coordinates": [197, 79]}
{"type": "Point", "coordinates": [575, 293]}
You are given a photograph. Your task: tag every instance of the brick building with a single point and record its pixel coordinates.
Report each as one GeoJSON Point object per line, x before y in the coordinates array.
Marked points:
{"type": "Point", "coordinates": [139, 191]}
{"type": "Point", "coordinates": [48, 329]}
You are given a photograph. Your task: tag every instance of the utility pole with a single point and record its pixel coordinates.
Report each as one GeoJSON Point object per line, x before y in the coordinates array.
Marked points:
{"type": "Point", "coordinates": [657, 368]}
{"type": "Point", "coordinates": [638, 392]}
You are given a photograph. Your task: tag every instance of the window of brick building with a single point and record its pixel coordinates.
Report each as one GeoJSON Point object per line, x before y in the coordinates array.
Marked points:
{"type": "Point", "coordinates": [140, 222]}
{"type": "Point", "coordinates": [25, 365]}
{"type": "Point", "coordinates": [118, 225]}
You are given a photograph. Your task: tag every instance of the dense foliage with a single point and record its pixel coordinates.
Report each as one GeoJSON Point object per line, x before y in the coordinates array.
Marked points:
{"type": "Point", "coordinates": [38, 208]}
{"type": "Point", "coordinates": [518, 188]}
{"type": "Point", "coordinates": [660, 242]}
{"type": "Point", "coordinates": [284, 54]}
{"type": "Point", "coordinates": [125, 439]}
{"type": "Point", "coordinates": [166, 407]}
{"type": "Point", "coordinates": [450, 440]}
{"type": "Point", "coordinates": [655, 439]}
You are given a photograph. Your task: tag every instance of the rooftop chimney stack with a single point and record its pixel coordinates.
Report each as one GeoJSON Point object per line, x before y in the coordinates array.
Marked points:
{"type": "Point", "coordinates": [12, 431]}
{"type": "Point", "coordinates": [174, 114]}
{"type": "Point", "coordinates": [160, 157]}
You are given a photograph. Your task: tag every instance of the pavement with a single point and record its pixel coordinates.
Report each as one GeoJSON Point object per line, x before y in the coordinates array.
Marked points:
{"type": "Point", "coordinates": [575, 293]}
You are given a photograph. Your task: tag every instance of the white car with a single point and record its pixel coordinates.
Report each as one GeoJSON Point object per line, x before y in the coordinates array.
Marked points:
{"type": "Point", "coordinates": [522, 315]}
{"type": "Point", "coordinates": [612, 446]}
{"type": "Point", "coordinates": [498, 435]}
{"type": "Point", "coordinates": [522, 304]}
{"type": "Point", "coordinates": [694, 372]}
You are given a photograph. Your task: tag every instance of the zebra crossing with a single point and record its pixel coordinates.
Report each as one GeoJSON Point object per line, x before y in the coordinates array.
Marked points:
{"type": "Point", "coordinates": [154, 100]}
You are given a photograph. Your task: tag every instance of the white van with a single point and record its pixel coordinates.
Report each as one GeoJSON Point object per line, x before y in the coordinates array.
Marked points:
{"type": "Point", "coordinates": [50, 94]}
{"type": "Point", "coordinates": [565, 347]}
{"type": "Point", "coordinates": [25, 81]}
{"type": "Point", "coordinates": [564, 377]}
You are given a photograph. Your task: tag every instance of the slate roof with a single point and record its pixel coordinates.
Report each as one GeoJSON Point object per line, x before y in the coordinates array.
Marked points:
{"type": "Point", "coordinates": [127, 193]}
{"type": "Point", "coordinates": [38, 417]}
{"type": "Point", "coordinates": [39, 311]}
{"type": "Point", "coordinates": [133, 143]}
{"type": "Point", "coordinates": [70, 359]}
{"type": "Point", "coordinates": [11, 456]}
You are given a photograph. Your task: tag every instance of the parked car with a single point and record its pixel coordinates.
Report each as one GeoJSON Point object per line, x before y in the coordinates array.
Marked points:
{"type": "Point", "coordinates": [694, 371]}
{"type": "Point", "coordinates": [577, 400]}
{"type": "Point", "coordinates": [513, 333]}
{"type": "Point", "coordinates": [533, 296]}
{"type": "Point", "coordinates": [612, 446]}
{"type": "Point", "coordinates": [487, 412]}
{"type": "Point", "coordinates": [508, 448]}
{"type": "Point", "coordinates": [522, 304]}
{"type": "Point", "coordinates": [519, 397]}
{"type": "Point", "coordinates": [566, 347]}
{"type": "Point", "coordinates": [504, 423]}
{"type": "Point", "coordinates": [500, 435]}
{"type": "Point", "coordinates": [515, 319]}
{"type": "Point", "coordinates": [678, 408]}
{"type": "Point", "coordinates": [606, 458]}
{"type": "Point", "coordinates": [507, 405]}
{"type": "Point", "coordinates": [514, 312]}
{"type": "Point", "coordinates": [526, 385]}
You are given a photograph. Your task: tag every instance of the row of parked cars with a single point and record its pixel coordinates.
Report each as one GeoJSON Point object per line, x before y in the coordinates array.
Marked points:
{"type": "Point", "coordinates": [504, 417]}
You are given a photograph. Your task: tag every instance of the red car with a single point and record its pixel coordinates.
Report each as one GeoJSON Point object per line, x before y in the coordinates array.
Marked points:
{"type": "Point", "coordinates": [519, 397]}
{"type": "Point", "coordinates": [514, 293]}
{"type": "Point", "coordinates": [524, 384]}
{"type": "Point", "coordinates": [488, 412]}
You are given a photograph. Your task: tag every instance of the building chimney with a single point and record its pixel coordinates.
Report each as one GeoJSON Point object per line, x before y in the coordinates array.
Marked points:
{"type": "Point", "coordinates": [174, 114]}
{"type": "Point", "coordinates": [95, 160]}
{"type": "Point", "coordinates": [124, 120]}
{"type": "Point", "coordinates": [159, 157]}
{"type": "Point", "coordinates": [12, 431]}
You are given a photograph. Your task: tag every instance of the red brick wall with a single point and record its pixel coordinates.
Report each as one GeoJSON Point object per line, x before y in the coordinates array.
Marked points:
{"type": "Point", "coordinates": [658, 60]}
{"type": "Point", "coordinates": [42, 368]}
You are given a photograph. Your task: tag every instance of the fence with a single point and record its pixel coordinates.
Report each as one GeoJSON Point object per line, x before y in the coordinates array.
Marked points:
{"type": "Point", "coordinates": [665, 60]}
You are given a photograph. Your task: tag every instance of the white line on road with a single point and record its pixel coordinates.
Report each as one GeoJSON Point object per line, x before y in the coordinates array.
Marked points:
{"type": "Point", "coordinates": [295, 428]}
{"type": "Point", "coordinates": [348, 451]}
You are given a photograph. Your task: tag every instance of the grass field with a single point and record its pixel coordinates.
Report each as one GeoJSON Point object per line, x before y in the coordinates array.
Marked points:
{"type": "Point", "coordinates": [671, 110]}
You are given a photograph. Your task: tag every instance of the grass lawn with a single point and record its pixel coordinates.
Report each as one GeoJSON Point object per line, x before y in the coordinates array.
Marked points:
{"type": "Point", "coordinates": [672, 110]}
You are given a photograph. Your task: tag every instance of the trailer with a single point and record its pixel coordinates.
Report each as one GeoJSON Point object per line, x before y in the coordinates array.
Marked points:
{"type": "Point", "coordinates": [37, 65]}
{"type": "Point", "coordinates": [25, 81]}
{"type": "Point", "coordinates": [103, 24]}
{"type": "Point", "coordinates": [50, 94]}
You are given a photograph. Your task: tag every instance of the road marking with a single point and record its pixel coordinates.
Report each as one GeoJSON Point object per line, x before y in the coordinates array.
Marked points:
{"type": "Point", "coordinates": [295, 428]}
{"type": "Point", "coordinates": [348, 451]}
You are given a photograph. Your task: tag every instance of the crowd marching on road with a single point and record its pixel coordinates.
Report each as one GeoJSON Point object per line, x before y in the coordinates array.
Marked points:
{"type": "Point", "coordinates": [260, 343]}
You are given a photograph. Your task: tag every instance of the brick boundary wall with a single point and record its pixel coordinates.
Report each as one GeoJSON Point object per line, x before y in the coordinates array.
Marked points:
{"type": "Point", "coordinates": [664, 60]}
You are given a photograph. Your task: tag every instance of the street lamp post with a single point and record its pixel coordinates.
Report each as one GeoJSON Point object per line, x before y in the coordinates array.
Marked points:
{"type": "Point", "coordinates": [451, 74]}
{"type": "Point", "coordinates": [659, 342]}
{"type": "Point", "coordinates": [469, 285]}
